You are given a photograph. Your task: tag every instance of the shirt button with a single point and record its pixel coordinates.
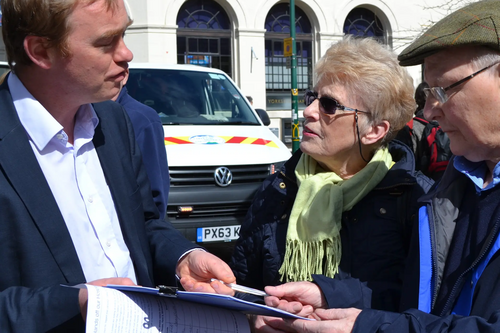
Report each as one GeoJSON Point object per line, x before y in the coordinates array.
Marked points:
{"type": "Point", "coordinates": [284, 216]}
{"type": "Point", "coordinates": [90, 199]}
{"type": "Point", "coordinates": [108, 244]}
{"type": "Point", "coordinates": [382, 211]}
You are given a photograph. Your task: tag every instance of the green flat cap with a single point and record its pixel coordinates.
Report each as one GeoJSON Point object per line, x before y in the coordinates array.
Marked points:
{"type": "Point", "coordinates": [475, 24]}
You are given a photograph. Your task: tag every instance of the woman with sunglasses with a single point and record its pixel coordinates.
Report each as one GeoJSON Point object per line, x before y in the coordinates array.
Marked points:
{"type": "Point", "coordinates": [343, 206]}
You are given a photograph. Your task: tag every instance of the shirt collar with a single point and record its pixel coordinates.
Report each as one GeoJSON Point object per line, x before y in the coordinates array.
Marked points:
{"type": "Point", "coordinates": [40, 125]}
{"type": "Point", "coordinates": [476, 171]}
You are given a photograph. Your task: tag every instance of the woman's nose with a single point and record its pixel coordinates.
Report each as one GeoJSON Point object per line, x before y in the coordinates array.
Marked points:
{"type": "Point", "coordinates": [312, 110]}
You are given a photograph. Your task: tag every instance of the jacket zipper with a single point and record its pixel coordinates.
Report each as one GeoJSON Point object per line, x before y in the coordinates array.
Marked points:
{"type": "Point", "coordinates": [433, 253]}
{"type": "Point", "coordinates": [478, 259]}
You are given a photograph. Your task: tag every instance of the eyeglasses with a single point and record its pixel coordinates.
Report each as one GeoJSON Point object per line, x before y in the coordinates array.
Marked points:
{"type": "Point", "coordinates": [328, 105]}
{"type": "Point", "coordinates": [439, 93]}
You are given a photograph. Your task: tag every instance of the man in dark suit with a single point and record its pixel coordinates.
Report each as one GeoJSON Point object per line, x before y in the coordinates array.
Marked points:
{"type": "Point", "coordinates": [75, 200]}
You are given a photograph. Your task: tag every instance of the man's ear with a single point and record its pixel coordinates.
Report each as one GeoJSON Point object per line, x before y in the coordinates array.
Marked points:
{"type": "Point", "coordinates": [36, 49]}
{"type": "Point", "coordinates": [376, 133]}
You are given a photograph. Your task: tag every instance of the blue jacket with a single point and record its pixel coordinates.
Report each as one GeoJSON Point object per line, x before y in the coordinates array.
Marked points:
{"type": "Point", "coordinates": [375, 232]}
{"type": "Point", "coordinates": [149, 135]}
{"type": "Point", "coordinates": [467, 297]}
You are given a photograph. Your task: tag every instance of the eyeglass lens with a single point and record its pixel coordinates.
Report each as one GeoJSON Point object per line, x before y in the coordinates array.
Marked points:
{"type": "Point", "coordinates": [328, 104]}
{"type": "Point", "coordinates": [438, 93]}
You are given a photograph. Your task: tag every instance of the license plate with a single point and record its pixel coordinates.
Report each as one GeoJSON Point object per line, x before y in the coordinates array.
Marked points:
{"type": "Point", "coordinates": [218, 234]}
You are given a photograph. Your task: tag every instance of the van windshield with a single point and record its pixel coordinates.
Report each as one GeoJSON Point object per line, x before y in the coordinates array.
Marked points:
{"type": "Point", "coordinates": [190, 98]}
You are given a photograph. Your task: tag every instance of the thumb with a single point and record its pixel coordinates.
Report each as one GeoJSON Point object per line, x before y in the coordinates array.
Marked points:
{"type": "Point", "coordinates": [330, 314]}
{"type": "Point", "coordinates": [350, 314]}
{"type": "Point", "coordinates": [275, 291]}
{"type": "Point", "coordinates": [283, 290]}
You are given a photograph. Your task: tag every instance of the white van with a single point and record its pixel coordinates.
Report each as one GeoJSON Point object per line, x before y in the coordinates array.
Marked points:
{"type": "Point", "coordinates": [218, 147]}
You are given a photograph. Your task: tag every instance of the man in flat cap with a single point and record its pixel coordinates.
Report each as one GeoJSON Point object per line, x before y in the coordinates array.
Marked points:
{"type": "Point", "coordinates": [452, 282]}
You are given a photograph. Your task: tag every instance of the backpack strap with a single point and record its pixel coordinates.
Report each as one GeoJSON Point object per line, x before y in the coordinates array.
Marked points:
{"type": "Point", "coordinates": [410, 125]}
{"type": "Point", "coordinates": [422, 120]}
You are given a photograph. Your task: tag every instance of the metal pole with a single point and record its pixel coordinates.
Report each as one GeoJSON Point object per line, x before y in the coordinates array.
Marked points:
{"type": "Point", "coordinates": [295, 92]}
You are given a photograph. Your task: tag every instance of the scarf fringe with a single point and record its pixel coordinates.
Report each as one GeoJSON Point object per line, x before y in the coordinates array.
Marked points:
{"type": "Point", "coordinates": [302, 259]}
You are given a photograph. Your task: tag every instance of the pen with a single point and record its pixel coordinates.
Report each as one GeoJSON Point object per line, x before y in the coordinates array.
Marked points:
{"type": "Point", "coordinates": [243, 289]}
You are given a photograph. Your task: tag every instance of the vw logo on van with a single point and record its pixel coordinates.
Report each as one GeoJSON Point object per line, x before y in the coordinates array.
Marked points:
{"type": "Point", "coordinates": [223, 176]}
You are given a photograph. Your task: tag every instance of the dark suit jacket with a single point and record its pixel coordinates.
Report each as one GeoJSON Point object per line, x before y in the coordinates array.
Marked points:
{"type": "Point", "coordinates": [150, 138]}
{"type": "Point", "coordinates": [36, 250]}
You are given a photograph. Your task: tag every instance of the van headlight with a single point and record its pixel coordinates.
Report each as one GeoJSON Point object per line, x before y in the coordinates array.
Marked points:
{"type": "Point", "coordinates": [275, 167]}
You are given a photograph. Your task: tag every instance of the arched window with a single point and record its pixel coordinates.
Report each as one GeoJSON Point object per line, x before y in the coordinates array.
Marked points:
{"type": "Point", "coordinates": [204, 35]}
{"type": "Point", "coordinates": [278, 72]}
{"type": "Point", "coordinates": [362, 22]}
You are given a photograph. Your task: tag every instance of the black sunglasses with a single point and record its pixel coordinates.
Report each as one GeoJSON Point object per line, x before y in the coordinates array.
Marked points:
{"type": "Point", "coordinates": [328, 105]}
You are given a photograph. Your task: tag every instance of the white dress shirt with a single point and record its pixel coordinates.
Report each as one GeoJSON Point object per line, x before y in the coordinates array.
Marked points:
{"type": "Point", "coordinates": [75, 176]}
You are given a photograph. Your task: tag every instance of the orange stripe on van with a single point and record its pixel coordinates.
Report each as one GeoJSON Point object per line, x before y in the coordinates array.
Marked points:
{"type": "Point", "coordinates": [228, 139]}
{"type": "Point", "coordinates": [177, 141]}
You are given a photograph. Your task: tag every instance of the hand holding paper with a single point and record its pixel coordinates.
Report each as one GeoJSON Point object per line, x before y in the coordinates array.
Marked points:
{"type": "Point", "coordinates": [197, 268]}
{"type": "Point", "coordinates": [301, 298]}
{"type": "Point", "coordinates": [332, 320]}
{"type": "Point", "coordinates": [83, 294]}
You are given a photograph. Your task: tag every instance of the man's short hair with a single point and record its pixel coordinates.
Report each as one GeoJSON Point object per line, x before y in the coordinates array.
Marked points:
{"type": "Point", "coordinates": [370, 72]}
{"type": "Point", "coordinates": [43, 18]}
{"type": "Point", "coordinates": [477, 24]}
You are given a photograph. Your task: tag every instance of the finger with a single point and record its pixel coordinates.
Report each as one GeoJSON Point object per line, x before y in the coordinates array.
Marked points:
{"type": "Point", "coordinates": [204, 287]}
{"type": "Point", "coordinates": [259, 325]}
{"type": "Point", "coordinates": [187, 283]}
{"type": "Point", "coordinates": [293, 307]}
{"type": "Point", "coordinates": [298, 309]}
{"type": "Point", "coordinates": [271, 301]}
{"type": "Point", "coordinates": [119, 281]}
{"type": "Point", "coordinates": [349, 315]}
{"type": "Point", "coordinates": [307, 326]}
{"type": "Point", "coordinates": [330, 314]}
{"type": "Point", "coordinates": [306, 311]}
{"type": "Point", "coordinates": [220, 270]}
{"type": "Point", "coordinates": [330, 326]}
{"type": "Point", "coordinates": [190, 284]}
{"type": "Point", "coordinates": [221, 288]}
{"type": "Point", "coordinates": [279, 325]}
{"type": "Point", "coordinates": [278, 291]}
{"type": "Point", "coordinates": [206, 266]}
{"type": "Point", "coordinates": [82, 301]}
{"type": "Point", "coordinates": [298, 291]}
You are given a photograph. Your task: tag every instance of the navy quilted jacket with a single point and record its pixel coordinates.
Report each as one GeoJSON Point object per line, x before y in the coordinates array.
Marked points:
{"type": "Point", "coordinates": [375, 233]}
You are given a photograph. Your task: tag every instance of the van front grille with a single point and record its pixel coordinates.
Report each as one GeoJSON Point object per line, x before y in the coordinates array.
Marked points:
{"type": "Point", "coordinates": [204, 175]}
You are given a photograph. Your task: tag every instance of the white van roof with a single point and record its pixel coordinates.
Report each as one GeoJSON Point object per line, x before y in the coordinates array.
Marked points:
{"type": "Point", "coordinates": [194, 68]}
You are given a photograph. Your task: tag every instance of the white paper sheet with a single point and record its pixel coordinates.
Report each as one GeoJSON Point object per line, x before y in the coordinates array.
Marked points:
{"type": "Point", "coordinates": [111, 311]}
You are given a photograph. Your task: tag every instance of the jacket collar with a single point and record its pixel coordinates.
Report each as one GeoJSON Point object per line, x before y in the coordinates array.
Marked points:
{"type": "Point", "coordinates": [401, 172]}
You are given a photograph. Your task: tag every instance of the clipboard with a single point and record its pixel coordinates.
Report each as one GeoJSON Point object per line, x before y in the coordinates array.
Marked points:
{"type": "Point", "coordinates": [217, 300]}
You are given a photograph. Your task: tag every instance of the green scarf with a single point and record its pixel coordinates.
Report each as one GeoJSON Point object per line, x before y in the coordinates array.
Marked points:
{"type": "Point", "coordinates": [315, 221]}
